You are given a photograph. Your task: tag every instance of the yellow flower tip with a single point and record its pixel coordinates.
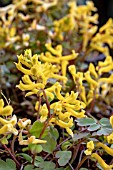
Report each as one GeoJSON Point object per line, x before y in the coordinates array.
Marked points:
{"type": "Point", "coordinates": [37, 105]}
{"type": "Point", "coordinates": [28, 53]}
{"type": "Point", "coordinates": [72, 69]}
{"type": "Point", "coordinates": [6, 111]}
{"type": "Point", "coordinates": [88, 152]}
{"type": "Point", "coordinates": [111, 121]}
{"type": "Point", "coordinates": [1, 103]}
{"type": "Point", "coordinates": [70, 132]}
{"type": "Point", "coordinates": [90, 145]}
{"type": "Point", "coordinates": [34, 59]}
{"type": "Point", "coordinates": [110, 138]}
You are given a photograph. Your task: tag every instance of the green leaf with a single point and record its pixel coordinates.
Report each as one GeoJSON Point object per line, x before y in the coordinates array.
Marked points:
{"type": "Point", "coordinates": [36, 129]}
{"type": "Point", "coordinates": [80, 136]}
{"type": "Point", "coordinates": [39, 158]}
{"type": "Point", "coordinates": [65, 145]}
{"type": "Point", "coordinates": [94, 127]}
{"type": "Point", "coordinates": [25, 156]}
{"type": "Point", "coordinates": [47, 165]}
{"type": "Point", "coordinates": [54, 133]}
{"type": "Point", "coordinates": [50, 145]}
{"type": "Point", "coordinates": [4, 140]}
{"type": "Point", "coordinates": [105, 122]}
{"type": "Point", "coordinates": [64, 157]}
{"type": "Point", "coordinates": [8, 165]}
{"type": "Point", "coordinates": [83, 169]}
{"type": "Point", "coordinates": [103, 131]}
{"type": "Point", "coordinates": [85, 121]}
{"type": "Point", "coordinates": [28, 167]}
{"type": "Point", "coordinates": [35, 148]}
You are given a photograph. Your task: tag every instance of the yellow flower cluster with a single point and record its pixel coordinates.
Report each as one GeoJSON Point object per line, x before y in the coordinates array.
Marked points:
{"type": "Point", "coordinates": [10, 17]}
{"type": "Point", "coordinates": [7, 124]}
{"type": "Point", "coordinates": [104, 36]}
{"type": "Point", "coordinates": [54, 56]}
{"type": "Point", "coordinates": [94, 79]}
{"type": "Point", "coordinates": [66, 108]}
{"type": "Point", "coordinates": [36, 73]}
{"type": "Point", "coordinates": [80, 19]}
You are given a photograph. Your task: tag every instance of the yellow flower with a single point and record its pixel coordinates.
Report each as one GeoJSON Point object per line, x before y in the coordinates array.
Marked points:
{"type": "Point", "coordinates": [43, 111]}
{"type": "Point", "coordinates": [110, 138]}
{"type": "Point", "coordinates": [8, 125]}
{"type": "Point", "coordinates": [90, 80]}
{"type": "Point", "coordinates": [8, 128]}
{"type": "Point", "coordinates": [55, 56]}
{"type": "Point", "coordinates": [101, 162]}
{"type": "Point", "coordinates": [23, 123]}
{"type": "Point", "coordinates": [106, 148]}
{"type": "Point", "coordinates": [5, 111]}
{"type": "Point", "coordinates": [90, 147]}
{"type": "Point", "coordinates": [30, 140]}
{"type": "Point", "coordinates": [111, 121]}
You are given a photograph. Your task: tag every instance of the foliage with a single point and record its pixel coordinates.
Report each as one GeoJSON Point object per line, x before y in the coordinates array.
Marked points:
{"type": "Point", "coordinates": [56, 103]}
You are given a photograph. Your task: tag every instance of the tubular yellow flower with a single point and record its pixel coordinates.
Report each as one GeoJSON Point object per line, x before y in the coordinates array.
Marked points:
{"type": "Point", "coordinates": [23, 123]}
{"type": "Point", "coordinates": [101, 162]}
{"type": "Point", "coordinates": [111, 121]}
{"type": "Point", "coordinates": [5, 111]}
{"type": "Point", "coordinates": [30, 140]}
{"type": "Point", "coordinates": [92, 70]}
{"type": "Point", "coordinates": [32, 86]}
{"type": "Point", "coordinates": [106, 148]}
{"type": "Point", "coordinates": [61, 123]}
{"type": "Point", "coordinates": [57, 92]}
{"type": "Point", "coordinates": [88, 152]}
{"type": "Point", "coordinates": [8, 128]}
{"type": "Point", "coordinates": [110, 138]}
{"type": "Point", "coordinates": [90, 80]}
{"type": "Point", "coordinates": [44, 113]}
{"type": "Point", "coordinates": [26, 79]}
{"type": "Point", "coordinates": [76, 114]}
{"type": "Point", "coordinates": [57, 51]}
{"type": "Point", "coordinates": [22, 69]}
{"type": "Point", "coordinates": [63, 67]}
{"type": "Point", "coordinates": [12, 121]}
{"type": "Point", "coordinates": [69, 131]}
{"type": "Point", "coordinates": [90, 147]}
{"type": "Point", "coordinates": [105, 69]}
{"type": "Point", "coordinates": [62, 78]}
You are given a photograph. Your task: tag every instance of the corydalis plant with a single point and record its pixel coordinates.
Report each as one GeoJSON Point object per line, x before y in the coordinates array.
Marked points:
{"type": "Point", "coordinates": [35, 80]}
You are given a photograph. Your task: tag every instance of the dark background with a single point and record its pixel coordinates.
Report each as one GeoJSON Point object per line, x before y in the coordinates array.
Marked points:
{"type": "Point", "coordinates": [105, 8]}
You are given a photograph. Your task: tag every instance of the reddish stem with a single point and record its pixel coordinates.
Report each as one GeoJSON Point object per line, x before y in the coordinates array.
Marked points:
{"type": "Point", "coordinates": [14, 158]}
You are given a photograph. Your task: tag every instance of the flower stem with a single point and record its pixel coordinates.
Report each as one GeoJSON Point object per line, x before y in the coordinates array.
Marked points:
{"type": "Point", "coordinates": [45, 126]}
{"type": "Point", "coordinates": [47, 103]}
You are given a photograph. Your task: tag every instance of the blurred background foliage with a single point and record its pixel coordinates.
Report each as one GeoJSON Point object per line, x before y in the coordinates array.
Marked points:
{"type": "Point", "coordinates": [24, 32]}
